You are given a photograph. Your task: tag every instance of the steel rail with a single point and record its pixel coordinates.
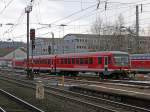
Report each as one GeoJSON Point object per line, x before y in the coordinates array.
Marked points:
{"type": "Point", "coordinates": [99, 100]}
{"type": "Point", "coordinates": [24, 103]}
{"type": "Point", "coordinates": [125, 83]}
{"type": "Point", "coordinates": [78, 101]}
{"type": "Point", "coordinates": [2, 110]}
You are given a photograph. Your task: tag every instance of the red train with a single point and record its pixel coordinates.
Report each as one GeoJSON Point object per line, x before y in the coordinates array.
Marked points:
{"type": "Point", "coordinates": [140, 63]}
{"type": "Point", "coordinates": [106, 64]}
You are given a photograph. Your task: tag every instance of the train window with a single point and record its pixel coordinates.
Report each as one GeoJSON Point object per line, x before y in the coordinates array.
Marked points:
{"type": "Point", "coordinates": [45, 61]}
{"type": "Point", "coordinates": [62, 61]}
{"type": "Point", "coordinates": [86, 61]}
{"type": "Point", "coordinates": [77, 60]}
{"type": "Point", "coordinates": [40, 61]}
{"type": "Point", "coordinates": [90, 60]}
{"type": "Point", "coordinates": [73, 61]}
{"type": "Point", "coordinates": [81, 61]}
{"type": "Point", "coordinates": [99, 60]}
{"type": "Point", "coordinates": [36, 61]}
{"type": "Point", "coordinates": [69, 61]}
{"type": "Point", "coordinates": [49, 61]}
{"type": "Point", "coordinates": [65, 61]}
{"type": "Point", "coordinates": [57, 61]}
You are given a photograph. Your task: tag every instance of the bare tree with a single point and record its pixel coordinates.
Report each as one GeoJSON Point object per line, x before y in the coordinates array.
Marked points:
{"type": "Point", "coordinates": [99, 27]}
{"type": "Point", "coordinates": [96, 28]}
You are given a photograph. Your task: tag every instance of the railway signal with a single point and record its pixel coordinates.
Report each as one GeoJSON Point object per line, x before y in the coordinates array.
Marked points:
{"type": "Point", "coordinates": [32, 38]}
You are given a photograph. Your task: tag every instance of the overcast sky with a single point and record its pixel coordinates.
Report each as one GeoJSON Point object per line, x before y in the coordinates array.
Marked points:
{"type": "Point", "coordinates": [78, 15]}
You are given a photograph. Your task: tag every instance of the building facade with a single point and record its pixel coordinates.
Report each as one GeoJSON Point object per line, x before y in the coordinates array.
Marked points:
{"type": "Point", "coordinates": [75, 43]}
{"type": "Point", "coordinates": [12, 44]}
{"type": "Point", "coordinates": [92, 43]}
{"type": "Point", "coordinates": [45, 46]}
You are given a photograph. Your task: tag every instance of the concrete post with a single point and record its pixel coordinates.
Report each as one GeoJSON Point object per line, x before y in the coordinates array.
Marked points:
{"type": "Point", "coordinates": [39, 90]}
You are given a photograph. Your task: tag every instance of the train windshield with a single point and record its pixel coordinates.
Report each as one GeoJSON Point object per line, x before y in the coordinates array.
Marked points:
{"type": "Point", "coordinates": [121, 59]}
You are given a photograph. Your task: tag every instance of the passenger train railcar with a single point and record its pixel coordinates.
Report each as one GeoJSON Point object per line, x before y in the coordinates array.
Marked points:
{"type": "Point", "coordinates": [140, 63]}
{"type": "Point", "coordinates": [106, 64]}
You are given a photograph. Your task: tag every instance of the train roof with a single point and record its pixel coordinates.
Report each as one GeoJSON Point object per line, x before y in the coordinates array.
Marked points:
{"type": "Point", "coordinates": [147, 54]}
{"type": "Point", "coordinates": [82, 54]}
{"type": "Point", "coordinates": [44, 56]}
{"type": "Point", "coordinates": [92, 53]}
{"type": "Point", "coordinates": [140, 56]}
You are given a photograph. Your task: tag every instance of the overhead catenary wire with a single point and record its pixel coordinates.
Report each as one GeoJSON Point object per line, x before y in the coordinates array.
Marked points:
{"type": "Point", "coordinates": [19, 20]}
{"type": "Point", "coordinates": [110, 7]}
{"type": "Point", "coordinates": [67, 23]}
{"type": "Point", "coordinates": [6, 5]}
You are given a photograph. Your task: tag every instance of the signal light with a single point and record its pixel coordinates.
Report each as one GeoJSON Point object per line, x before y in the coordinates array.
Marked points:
{"type": "Point", "coordinates": [32, 37]}
{"type": "Point", "coordinates": [32, 34]}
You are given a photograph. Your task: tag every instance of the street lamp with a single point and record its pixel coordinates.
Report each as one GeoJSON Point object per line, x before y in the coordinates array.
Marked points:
{"type": "Point", "coordinates": [63, 25]}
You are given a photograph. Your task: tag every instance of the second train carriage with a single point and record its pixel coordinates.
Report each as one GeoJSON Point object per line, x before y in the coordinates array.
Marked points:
{"type": "Point", "coordinates": [106, 64]}
{"type": "Point", "coordinates": [140, 63]}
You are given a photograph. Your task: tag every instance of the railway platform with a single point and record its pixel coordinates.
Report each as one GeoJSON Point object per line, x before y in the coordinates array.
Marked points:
{"type": "Point", "coordinates": [131, 97]}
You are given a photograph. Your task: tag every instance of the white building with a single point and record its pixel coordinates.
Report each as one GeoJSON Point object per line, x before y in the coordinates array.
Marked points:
{"type": "Point", "coordinates": [92, 42]}
{"type": "Point", "coordinates": [45, 46]}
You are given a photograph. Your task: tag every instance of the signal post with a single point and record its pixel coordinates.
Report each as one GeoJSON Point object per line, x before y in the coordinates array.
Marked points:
{"type": "Point", "coordinates": [32, 40]}
{"type": "Point", "coordinates": [28, 9]}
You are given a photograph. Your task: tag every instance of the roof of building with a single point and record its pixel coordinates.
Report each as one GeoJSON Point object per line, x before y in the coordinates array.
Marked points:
{"type": "Point", "coordinates": [5, 51]}
{"type": "Point", "coordinates": [94, 35]}
{"type": "Point", "coordinates": [83, 35]}
{"type": "Point", "coordinates": [49, 39]}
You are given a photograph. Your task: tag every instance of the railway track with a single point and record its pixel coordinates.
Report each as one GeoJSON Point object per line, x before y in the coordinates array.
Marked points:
{"type": "Point", "coordinates": [2, 110]}
{"type": "Point", "coordinates": [81, 80]}
{"type": "Point", "coordinates": [90, 101]}
{"type": "Point", "coordinates": [74, 81]}
{"type": "Point", "coordinates": [15, 104]}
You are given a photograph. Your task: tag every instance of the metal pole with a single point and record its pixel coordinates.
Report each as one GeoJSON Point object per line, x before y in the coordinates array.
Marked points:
{"type": "Point", "coordinates": [28, 73]}
{"type": "Point", "coordinates": [137, 29]}
{"type": "Point", "coordinates": [14, 59]}
{"type": "Point", "coordinates": [32, 63]}
{"type": "Point", "coordinates": [28, 9]}
{"type": "Point", "coordinates": [53, 43]}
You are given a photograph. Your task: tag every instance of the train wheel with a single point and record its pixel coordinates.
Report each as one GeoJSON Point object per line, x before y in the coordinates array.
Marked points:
{"type": "Point", "coordinates": [101, 76]}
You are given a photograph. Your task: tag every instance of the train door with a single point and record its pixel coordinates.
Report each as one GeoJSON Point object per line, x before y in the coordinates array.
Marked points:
{"type": "Point", "coordinates": [105, 65]}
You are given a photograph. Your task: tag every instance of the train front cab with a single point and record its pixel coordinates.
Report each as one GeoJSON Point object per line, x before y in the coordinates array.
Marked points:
{"type": "Point", "coordinates": [116, 66]}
